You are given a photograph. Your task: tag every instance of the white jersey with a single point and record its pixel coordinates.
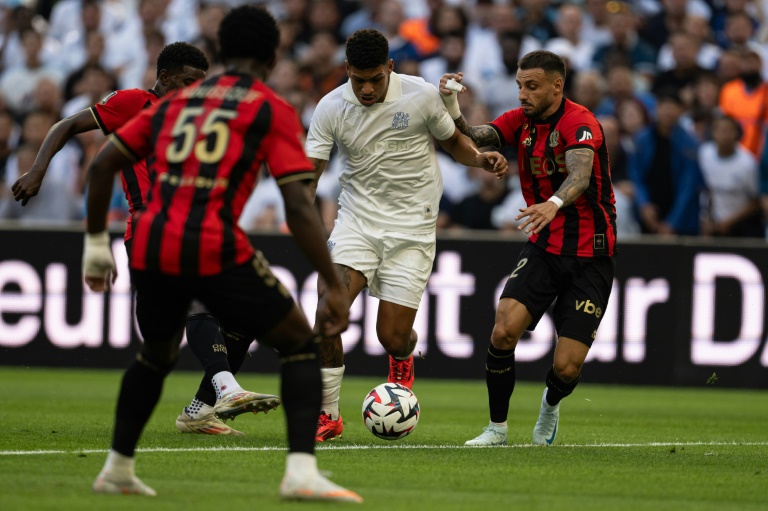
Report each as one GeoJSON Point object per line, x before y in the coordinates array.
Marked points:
{"type": "Point", "coordinates": [731, 180]}
{"type": "Point", "coordinates": [389, 174]}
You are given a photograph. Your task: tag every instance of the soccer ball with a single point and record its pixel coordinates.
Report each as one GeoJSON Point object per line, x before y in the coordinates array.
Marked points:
{"type": "Point", "coordinates": [391, 411]}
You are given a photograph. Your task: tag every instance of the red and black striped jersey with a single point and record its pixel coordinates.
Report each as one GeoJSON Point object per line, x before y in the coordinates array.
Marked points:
{"type": "Point", "coordinates": [587, 228]}
{"type": "Point", "coordinates": [208, 142]}
{"type": "Point", "coordinates": [115, 110]}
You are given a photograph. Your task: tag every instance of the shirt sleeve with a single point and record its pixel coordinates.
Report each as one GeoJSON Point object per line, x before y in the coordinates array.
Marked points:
{"type": "Point", "coordinates": [320, 138]}
{"type": "Point", "coordinates": [118, 108]}
{"type": "Point", "coordinates": [284, 152]}
{"type": "Point", "coordinates": [506, 125]}
{"type": "Point", "coordinates": [134, 139]}
{"type": "Point", "coordinates": [439, 121]}
{"type": "Point", "coordinates": [581, 131]}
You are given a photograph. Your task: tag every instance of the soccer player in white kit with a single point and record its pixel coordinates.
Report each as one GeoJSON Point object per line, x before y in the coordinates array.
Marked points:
{"type": "Point", "coordinates": [384, 235]}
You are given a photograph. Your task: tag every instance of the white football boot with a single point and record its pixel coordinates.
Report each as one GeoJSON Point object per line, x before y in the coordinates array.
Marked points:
{"type": "Point", "coordinates": [108, 483]}
{"type": "Point", "coordinates": [206, 425]}
{"type": "Point", "coordinates": [545, 431]}
{"type": "Point", "coordinates": [492, 435]}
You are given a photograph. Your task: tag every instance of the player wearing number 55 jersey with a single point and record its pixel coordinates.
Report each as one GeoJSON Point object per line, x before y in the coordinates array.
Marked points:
{"type": "Point", "coordinates": [209, 142]}
{"type": "Point", "coordinates": [571, 222]}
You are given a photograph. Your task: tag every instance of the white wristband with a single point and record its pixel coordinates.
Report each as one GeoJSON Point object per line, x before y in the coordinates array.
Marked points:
{"type": "Point", "coordinates": [557, 200]}
{"type": "Point", "coordinates": [451, 102]}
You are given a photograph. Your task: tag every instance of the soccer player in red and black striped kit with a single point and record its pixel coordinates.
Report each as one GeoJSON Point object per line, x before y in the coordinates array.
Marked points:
{"type": "Point", "coordinates": [209, 142]}
{"type": "Point", "coordinates": [178, 65]}
{"type": "Point", "coordinates": [571, 223]}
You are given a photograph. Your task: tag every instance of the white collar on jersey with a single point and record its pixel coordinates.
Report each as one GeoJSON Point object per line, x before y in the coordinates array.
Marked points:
{"type": "Point", "coordinates": [394, 91]}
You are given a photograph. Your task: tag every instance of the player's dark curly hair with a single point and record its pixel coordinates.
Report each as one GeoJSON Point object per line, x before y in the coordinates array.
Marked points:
{"type": "Point", "coordinates": [542, 59]}
{"type": "Point", "coordinates": [249, 32]}
{"type": "Point", "coordinates": [175, 56]}
{"type": "Point", "coordinates": [367, 48]}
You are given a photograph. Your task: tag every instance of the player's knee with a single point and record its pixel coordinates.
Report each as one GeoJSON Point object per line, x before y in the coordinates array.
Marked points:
{"type": "Point", "coordinates": [503, 337]}
{"type": "Point", "coordinates": [568, 371]}
{"type": "Point", "coordinates": [398, 344]}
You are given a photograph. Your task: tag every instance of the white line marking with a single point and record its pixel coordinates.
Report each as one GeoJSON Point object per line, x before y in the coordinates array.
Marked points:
{"type": "Point", "coordinates": [356, 447]}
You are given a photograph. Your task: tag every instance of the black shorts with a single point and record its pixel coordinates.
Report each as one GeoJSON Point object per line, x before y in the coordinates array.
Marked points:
{"type": "Point", "coordinates": [579, 286]}
{"type": "Point", "coordinates": [247, 299]}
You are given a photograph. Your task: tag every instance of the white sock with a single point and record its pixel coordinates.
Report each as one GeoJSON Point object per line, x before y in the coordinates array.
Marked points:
{"type": "Point", "coordinates": [499, 425]}
{"type": "Point", "coordinates": [331, 390]}
{"type": "Point", "coordinates": [197, 409]}
{"type": "Point", "coordinates": [119, 466]}
{"type": "Point", "coordinates": [225, 383]}
{"type": "Point", "coordinates": [300, 464]}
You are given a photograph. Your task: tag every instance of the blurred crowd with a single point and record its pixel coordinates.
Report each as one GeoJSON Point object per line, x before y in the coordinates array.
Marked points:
{"type": "Point", "coordinates": [678, 85]}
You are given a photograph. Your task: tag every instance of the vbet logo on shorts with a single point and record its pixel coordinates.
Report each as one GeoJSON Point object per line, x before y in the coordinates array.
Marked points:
{"type": "Point", "coordinates": [400, 120]}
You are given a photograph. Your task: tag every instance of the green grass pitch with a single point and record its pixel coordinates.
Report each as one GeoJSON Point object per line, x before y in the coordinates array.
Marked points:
{"type": "Point", "coordinates": [618, 448]}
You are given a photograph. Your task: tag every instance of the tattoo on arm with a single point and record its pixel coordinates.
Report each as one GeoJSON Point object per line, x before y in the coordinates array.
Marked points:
{"type": "Point", "coordinates": [482, 136]}
{"type": "Point", "coordinates": [578, 162]}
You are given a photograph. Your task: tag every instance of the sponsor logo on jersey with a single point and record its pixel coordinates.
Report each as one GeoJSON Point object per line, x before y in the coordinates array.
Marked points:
{"type": "Point", "coordinates": [583, 134]}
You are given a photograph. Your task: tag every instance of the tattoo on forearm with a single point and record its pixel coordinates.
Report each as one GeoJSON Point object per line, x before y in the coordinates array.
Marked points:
{"type": "Point", "coordinates": [482, 136]}
{"type": "Point", "coordinates": [578, 162]}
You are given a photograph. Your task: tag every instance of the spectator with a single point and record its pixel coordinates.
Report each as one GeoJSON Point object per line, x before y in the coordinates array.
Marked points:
{"type": "Point", "coordinates": [623, 188]}
{"type": "Point", "coordinates": [622, 84]}
{"type": "Point", "coordinates": [474, 211]}
{"type": "Point", "coordinates": [729, 66]}
{"type": "Point", "coordinates": [720, 19]}
{"type": "Point", "coordinates": [588, 89]}
{"type": "Point", "coordinates": [596, 23]}
{"type": "Point", "coordinates": [708, 54]}
{"type": "Point", "coordinates": [61, 197]}
{"type": "Point", "coordinates": [451, 58]}
{"type": "Point", "coordinates": [686, 70]}
{"type": "Point", "coordinates": [666, 172]}
{"type": "Point", "coordinates": [17, 84]}
{"type": "Point", "coordinates": [390, 16]}
{"type": "Point", "coordinates": [570, 40]}
{"type": "Point", "coordinates": [746, 100]}
{"type": "Point", "coordinates": [669, 20]}
{"type": "Point", "coordinates": [731, 178]}
{"type": "Point", "coordinates": [499, 92]}
{"type": "Point", "coordinates": [626, 47]}
{"type": "Point", "coordinates": [536, 17]}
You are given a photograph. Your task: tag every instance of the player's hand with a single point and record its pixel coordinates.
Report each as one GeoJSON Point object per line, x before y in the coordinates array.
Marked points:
{"type": "Point", "coordinates": [536, 217]}
{"type": "Point", "coordinates": [445, 91]}
{"type": "Point", "coordinates": [98, 263]}
{"type": "Point", "coordinates": [494, 163]}
{"type": "Point", "coordinates": [27, 186]}
{"type": "Point", "coordinates": [336, 311]}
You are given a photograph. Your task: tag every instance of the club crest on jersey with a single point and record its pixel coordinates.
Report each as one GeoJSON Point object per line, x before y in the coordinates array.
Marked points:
{"type": "Point", "coordinates": [554, 139]}
{"type": "Point", "coordinates": [527, 142]}
{"type": "Point", "coordinates": [331, 244]}
{"type": "Point", "coordinates": [583, 134]}
{"type": "Point", "coordinates": [400, 120]}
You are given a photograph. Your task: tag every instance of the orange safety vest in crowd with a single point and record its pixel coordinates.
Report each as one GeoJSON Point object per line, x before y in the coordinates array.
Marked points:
{"type": "Point", "coordinates": [749, 108]}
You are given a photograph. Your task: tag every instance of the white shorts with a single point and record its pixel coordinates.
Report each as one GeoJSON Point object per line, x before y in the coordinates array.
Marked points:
{"type": "Point", "coordinates": [396, 265]}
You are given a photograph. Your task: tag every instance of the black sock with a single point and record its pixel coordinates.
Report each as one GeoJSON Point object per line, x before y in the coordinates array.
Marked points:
{"type": "Point", "coordinates": [206, 342]}
{"type": "Point", "coordinates": [557, 389]}
{"type": "Point", "coordinates": [500, 380]}
{"type": "Point", "coordinates": [301, 388]}
{"type": "Point", "coordinates": [237, 349]}
{"type": "Point", "coordinates": [139, 393]}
